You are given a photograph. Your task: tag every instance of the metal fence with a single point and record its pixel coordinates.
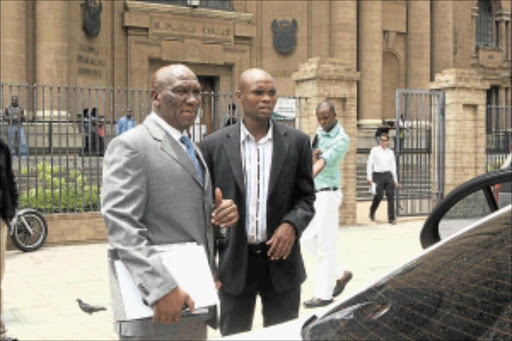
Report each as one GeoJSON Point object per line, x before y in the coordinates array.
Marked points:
{"type": "Point", "coordinates": [498, 134]}
{"type": "Point", "coordinates": [66, 130]}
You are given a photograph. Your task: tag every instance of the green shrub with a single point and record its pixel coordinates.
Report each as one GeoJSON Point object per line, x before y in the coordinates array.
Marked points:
{"type": "Point", "coordinates": [59, 190]}
{"type": "Point", "coordinates": [494, 166]}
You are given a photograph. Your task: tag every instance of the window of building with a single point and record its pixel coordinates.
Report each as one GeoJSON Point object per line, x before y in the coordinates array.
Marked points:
{"type": "Point", "coordinates": [225, 5]}
{"type": "Point", "coordinates": [493, 95]}
{"type": "Point", "coordinates": [484, 24]}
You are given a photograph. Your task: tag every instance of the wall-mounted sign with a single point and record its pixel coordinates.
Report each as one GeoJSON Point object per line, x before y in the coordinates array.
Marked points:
{"type": "Point", "coordinates": [286, 108]}
{"type": "Point", "coordinates": [167, 26]}
{"type": "Point", "coordinates": [91, 22]}
{"type": "Point", "coordinates": [285, 35]}
{"type": "Point", "coordinates": [90, 62]}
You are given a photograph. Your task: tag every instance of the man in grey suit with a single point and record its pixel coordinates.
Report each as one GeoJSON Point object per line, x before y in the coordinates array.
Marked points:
{"type": "Point", "coordinates": [266, 168]}
{"type": "Point", "coordinates": [157, 190]}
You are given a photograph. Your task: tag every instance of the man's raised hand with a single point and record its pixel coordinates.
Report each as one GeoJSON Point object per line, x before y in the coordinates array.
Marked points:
{"type": "Point", "coordinates": [225, 213]}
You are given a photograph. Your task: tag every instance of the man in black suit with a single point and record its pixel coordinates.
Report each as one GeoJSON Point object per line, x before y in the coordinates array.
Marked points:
{"type": "Point", "coordinates": [8, 204]}
{"type": "Point", "coordinates": [266, 168]}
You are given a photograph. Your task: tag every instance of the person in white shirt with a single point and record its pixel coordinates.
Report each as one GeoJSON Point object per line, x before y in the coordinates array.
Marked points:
{"type": "Point", "coordinates": [381, 170]}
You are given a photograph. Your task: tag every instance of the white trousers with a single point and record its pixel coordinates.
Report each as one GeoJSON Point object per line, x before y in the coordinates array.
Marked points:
{"type": "Point", "coordinates": [319, 239]}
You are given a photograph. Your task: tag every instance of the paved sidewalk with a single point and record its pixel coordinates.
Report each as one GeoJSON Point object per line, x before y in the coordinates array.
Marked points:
{"type": "Point", "coordinates": [41, 288]}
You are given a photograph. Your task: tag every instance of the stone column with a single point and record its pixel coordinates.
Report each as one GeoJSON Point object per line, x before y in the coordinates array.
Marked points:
{"type": "Point", "coordinates": [442, 35]}
{"type": "Point", "coordinates": [370, 61]}
{"type": "Point", "coordinates": [465, 138]}
{"type": "Point", "coordinates": [418, 44]}
{"type": "Point", "coordinates": [504, 38]}
{"type": "Point", "coordinates": [13, 42]}
{"type": "Point", "coordinates": [474, 17]}
{"type": "Point", "coordinates": [344, 31]}
{"type": "Point", "coordinates": [321, 79]}
{"type": "Point", "coordinates": [52, 60]}
{"type": "Point", "coordinates": [52, 42]}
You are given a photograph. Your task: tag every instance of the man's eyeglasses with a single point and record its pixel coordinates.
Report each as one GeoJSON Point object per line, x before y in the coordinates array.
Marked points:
{"type": "Point", "coordinates": [384, 140]}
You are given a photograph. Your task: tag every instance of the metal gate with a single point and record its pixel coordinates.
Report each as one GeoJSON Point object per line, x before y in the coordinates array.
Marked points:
{"type": "Point", "coordinates": [419, 150]}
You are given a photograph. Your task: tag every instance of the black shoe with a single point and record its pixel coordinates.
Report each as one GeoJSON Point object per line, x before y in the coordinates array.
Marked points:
{"type": "Point", "coordinates": [372, 216]}
{"type": "Point", "coordinates": [317, 302]}
{"type": "Point", "coordinates": [341, 283]}
{"type": "Point", "coordinates": [392, 222]}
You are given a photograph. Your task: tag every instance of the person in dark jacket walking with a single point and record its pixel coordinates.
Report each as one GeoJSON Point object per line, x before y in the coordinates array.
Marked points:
{"type": "Point", "coordinates": [8, 204]}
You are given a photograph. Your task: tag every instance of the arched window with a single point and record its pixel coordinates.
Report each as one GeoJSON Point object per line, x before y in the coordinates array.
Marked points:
{"type": "Point", "coordinates": [484, 24]}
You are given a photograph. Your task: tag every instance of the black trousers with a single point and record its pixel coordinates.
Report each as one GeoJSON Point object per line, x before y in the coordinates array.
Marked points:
{"type": "Point", "coordinates": [384, 182]}
{"type": "Point", "coordinates": [237, 311]}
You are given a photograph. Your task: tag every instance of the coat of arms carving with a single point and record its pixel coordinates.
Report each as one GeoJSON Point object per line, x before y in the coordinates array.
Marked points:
{"type": "Point", "coordinates": [285, 35]}
{"type": "Point", "coordinates": [91, 17]}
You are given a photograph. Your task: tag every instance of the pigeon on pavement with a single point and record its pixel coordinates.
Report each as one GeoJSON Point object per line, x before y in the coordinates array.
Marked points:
{"type": "Point", "coordinates": [87, 308]}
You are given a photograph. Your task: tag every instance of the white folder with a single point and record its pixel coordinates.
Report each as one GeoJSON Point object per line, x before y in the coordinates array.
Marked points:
{"type": "Point", "coordinates": [188, 264]}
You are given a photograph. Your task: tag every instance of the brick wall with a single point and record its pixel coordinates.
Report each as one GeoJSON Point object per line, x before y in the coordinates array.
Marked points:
{"type": "Point", "coordinates": [465, 138]}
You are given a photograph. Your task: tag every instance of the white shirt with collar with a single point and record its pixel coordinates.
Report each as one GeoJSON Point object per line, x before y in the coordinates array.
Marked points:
{"type": "Point", "coordinates": [381, 160]}
{"type": "Point", "coordinates": [173, 132]}
{"type": "Point", "coordinates": [256, 162]}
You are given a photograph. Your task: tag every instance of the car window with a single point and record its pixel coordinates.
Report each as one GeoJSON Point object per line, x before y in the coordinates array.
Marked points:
{"type": "Point", "coordinates": [466, 204]}
{"type": "Point", "coordinates": [464, 213]}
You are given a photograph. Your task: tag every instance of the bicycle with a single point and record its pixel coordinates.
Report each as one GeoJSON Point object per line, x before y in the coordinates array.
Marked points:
{"type": "Point", "coordinates": [28, 230]}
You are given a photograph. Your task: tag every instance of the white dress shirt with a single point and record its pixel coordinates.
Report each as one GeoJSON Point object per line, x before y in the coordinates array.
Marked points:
{"type": "Point", "coordinates": [175, 133]}
{"type": "Point", "coordinates": [256, 162]}
{"type": "Point", "coordinates": [381, 160]}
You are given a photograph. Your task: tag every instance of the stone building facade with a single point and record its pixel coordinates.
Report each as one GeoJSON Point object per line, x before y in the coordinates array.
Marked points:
{"type": "Point", "coordinates": [393, 44]}
{"type": "Point", "coordinates": [368, 48]}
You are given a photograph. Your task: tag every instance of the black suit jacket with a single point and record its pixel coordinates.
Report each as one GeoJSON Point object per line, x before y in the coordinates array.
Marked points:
{"type": "Point", "coordinates": [8, 190]}
{"type": "Point", "coordinates": [290, 199]}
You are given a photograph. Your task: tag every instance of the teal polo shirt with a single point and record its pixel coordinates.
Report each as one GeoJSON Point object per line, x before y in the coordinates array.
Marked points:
{"type": "Point", "coordinates": [334, 146]}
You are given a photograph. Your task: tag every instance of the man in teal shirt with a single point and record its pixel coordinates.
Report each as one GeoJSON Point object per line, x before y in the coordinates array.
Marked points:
{"type": "Point", "coordinates": [330, 146]}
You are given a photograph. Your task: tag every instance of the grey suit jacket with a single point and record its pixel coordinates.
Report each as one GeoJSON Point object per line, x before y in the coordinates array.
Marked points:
{"type": "Point", "coordinates": [151, 195]}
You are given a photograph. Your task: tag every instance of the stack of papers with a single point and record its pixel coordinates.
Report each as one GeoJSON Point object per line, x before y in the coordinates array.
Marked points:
{"type": "Point", "coordinates": [188, 264]}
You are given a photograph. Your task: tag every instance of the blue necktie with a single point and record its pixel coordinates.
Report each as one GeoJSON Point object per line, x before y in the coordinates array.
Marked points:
{"type": "Point", "coordinates": [192, 155]}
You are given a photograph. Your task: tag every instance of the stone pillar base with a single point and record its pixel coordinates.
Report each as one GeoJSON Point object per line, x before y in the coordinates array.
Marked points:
{"type": "Point", "coordinates": [465, 137]}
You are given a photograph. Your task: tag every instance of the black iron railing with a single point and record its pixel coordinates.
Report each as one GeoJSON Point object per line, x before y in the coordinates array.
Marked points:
{"type": "Point", "coordinates": [66, 130]}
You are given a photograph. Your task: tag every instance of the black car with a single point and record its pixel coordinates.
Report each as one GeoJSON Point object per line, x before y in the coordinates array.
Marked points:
{"type": "Point", "coordinates": [460, 288]}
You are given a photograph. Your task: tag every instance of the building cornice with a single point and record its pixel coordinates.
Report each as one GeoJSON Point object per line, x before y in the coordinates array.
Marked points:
{"type": "Point", "coordinates": [153, 8]}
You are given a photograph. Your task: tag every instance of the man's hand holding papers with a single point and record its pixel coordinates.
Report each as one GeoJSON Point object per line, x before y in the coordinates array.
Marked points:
{"type": "Point", "coordinates": [195, 290]}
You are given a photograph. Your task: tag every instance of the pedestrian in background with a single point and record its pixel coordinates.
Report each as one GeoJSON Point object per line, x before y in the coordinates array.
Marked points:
{"type": "Point", "coordinates": [382, 129]}
{"type": "Point", "coordinates": [381, 170]}
{"type": "Point", "coordinates": [8, 204]}
{"type": "Point", "coordinates": [229, 118]}
{"type": "Point", "coordinates": [94, 133]}
{"type": "Point", "coordinates": [157, 190]}
{"type": "Point", "coordinates": [15, 115]}
{"type": "Point", "coordinates": [322, 233]}
{"type": "Point", "coordinates": [125, 123]}
{"type": "Point", "coordinates": [266, 168]}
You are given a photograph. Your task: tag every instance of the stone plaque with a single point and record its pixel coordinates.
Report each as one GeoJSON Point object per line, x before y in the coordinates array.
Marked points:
{"type": "Point", "coordinates": [167, 26]}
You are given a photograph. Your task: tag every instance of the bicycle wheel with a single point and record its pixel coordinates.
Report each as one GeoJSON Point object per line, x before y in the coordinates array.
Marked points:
{"type": "Point", "coordinates": [30, 231]}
